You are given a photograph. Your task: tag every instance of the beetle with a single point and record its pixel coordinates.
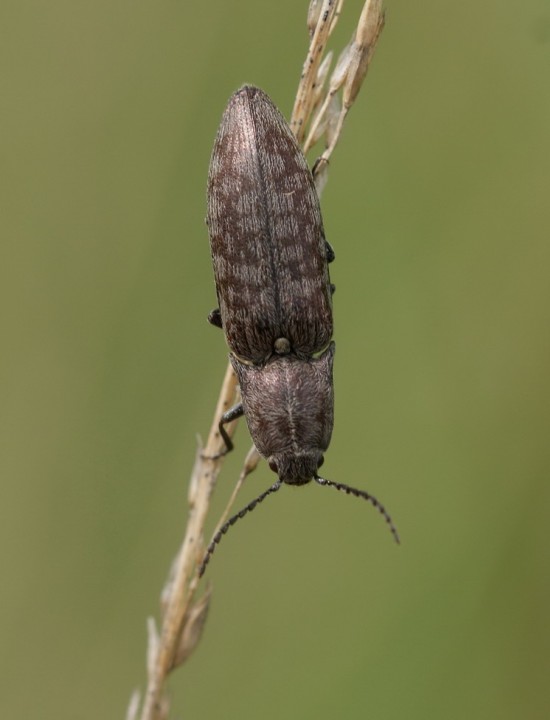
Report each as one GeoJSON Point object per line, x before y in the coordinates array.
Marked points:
{"type": "Point", "coordinates": [270, 260]}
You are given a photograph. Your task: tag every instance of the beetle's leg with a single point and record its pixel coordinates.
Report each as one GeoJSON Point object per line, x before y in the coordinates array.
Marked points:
{"type": "Point", "coordinates": [233, 413]}
{"type": "Point", "coordinates": [330, 258]}
{"type": "Point", "coordinates": [215, 317]}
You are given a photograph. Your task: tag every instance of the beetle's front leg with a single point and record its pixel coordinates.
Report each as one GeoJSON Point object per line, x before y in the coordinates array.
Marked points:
{"type": "Point", "coordinates": [233, 413]}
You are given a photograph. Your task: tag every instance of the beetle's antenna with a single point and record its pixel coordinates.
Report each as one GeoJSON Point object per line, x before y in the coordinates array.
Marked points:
{"type": "Point", "coordinates": [362, 494]}
{"type": "Point", "coordinates": [232, 520]}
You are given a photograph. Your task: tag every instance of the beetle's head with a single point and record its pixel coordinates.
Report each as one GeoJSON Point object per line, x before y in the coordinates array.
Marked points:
{"type": "Point", "coordinates": [296, 468]}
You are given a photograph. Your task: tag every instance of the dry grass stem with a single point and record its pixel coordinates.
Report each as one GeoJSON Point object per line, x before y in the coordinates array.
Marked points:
{"type": "Point", "coordinates": [326, 17]}
{"type": "Point", "coordinates": [182, 616]}
{"type": "Point", "coordinates": [183, 580]}
{"type": "Point", "coordinates": [250, 464]}
{"type": "Point", "coordinates": [348, 75]}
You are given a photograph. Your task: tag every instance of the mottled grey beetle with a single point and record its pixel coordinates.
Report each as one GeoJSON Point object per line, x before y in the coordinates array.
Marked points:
{"type": "Point", "coordinates": [270, 261]}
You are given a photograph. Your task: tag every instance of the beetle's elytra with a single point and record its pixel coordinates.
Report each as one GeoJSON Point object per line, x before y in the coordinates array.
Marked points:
{"type": "Point", "coordinates": [266, 235]}
{"type": "Point", "coordinates": [270, 260]}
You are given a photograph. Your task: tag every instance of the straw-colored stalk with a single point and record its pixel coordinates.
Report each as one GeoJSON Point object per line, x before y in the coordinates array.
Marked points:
{"type": "Point", "coordinates": [322, 113]}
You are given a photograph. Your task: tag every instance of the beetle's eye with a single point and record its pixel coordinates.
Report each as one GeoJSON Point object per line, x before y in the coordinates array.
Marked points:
{"type": "Point", "coordinates": [273, 465]}
{"type": "Point", "coordinates": [321, 461]}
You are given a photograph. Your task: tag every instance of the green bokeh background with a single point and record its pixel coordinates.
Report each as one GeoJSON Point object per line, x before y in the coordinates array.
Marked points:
{"type": "Point", "coordinates": [438, 208]}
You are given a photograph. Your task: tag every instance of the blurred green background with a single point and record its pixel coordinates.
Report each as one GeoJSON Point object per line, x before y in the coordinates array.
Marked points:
{"type": "Point", "coordinates": [438, 209]}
